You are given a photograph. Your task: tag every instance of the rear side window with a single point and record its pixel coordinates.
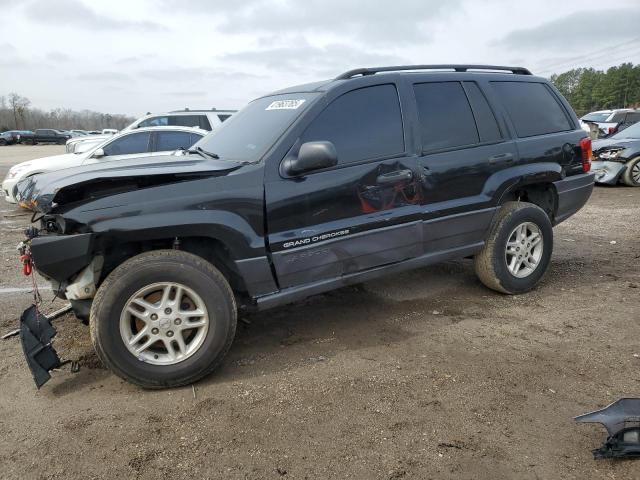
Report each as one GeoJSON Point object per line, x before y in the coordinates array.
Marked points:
{"type": "Point", "coordinates": [223, 117]}
{"type": "Point", "coordinates": [154, 122]}
{"type": "Point", "coordinates": [362, 124]}
{"type": "Point", "coordinates": [185, 120]}
{"type": "Point", "coordinates": [533, 109]}
{"type": "Point", "coordinates": [204, 123]}
{"type": "Point", "coordinates": [169, 141]}
{"type": "Point", "coordinates": [194, 138]}
{"type": "Point", "coordinates": [485, 119]}
{"type": "Point", "coordinates": [633, 117]}
{"type": "Point", "coordinates": [446, 119]}
{"type": "Point", "coordinates": [129, 144]}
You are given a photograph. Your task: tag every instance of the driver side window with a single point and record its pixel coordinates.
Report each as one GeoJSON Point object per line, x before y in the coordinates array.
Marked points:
{"type": "Point", "coordinates": [129, 144]}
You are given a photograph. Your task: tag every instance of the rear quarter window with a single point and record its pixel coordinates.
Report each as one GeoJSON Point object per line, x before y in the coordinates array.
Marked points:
{"type": "Point", "coordinates": [532, 107]}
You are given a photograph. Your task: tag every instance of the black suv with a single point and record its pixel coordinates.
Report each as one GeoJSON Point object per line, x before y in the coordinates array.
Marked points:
{"type": "Point", "coordinates": [306, 190]}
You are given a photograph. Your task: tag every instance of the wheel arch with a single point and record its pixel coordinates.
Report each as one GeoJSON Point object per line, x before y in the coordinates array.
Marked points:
{"type": "Point", "coordinates": [219, 253]}
{"type": "Point", "coordinates": [533, 183]}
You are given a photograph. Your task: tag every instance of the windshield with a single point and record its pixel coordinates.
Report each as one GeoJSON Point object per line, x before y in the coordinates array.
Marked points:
{"type": "Point", "coordinates": [248, 134]}
{"type": "Point", "coordinates": [631, 132]}
{"type": "Point", "coordinates": [596, 117]}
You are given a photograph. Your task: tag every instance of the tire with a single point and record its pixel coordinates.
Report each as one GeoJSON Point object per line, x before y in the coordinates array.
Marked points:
{"type": "Point", "coordinates": [108, 319]}
{"type": "Point", "coordinates": [3, 142]}
{"type": "Point", "coordinates": [631, 175]}
{"type": "Point", "coordinates": [62, 142]}
{"type": "Point", "coordinates": [491, 263]}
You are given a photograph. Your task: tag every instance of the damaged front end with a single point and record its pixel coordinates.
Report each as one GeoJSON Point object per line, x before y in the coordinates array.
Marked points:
{"type": "Point", "coordinates": [609, 159]}
{"type": "Point", "coordinates": [622, 421]}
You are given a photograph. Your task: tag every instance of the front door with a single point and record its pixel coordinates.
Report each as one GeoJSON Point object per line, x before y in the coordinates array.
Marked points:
{"type": "Point", "coordinates": [363, 213]}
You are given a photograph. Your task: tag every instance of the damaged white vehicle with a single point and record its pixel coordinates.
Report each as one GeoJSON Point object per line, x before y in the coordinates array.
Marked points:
{"type": "Point", "coordinates": [149, 141]}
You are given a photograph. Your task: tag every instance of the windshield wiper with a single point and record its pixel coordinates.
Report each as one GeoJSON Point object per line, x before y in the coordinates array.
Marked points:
{"type": "Point", "coordinates": [203, 153]}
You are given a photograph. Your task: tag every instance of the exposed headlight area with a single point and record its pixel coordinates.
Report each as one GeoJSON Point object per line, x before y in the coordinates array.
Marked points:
{"type": "Point", "coordinates": [610, 154]}
{"type": "Point", "coordinates": [14, 171]}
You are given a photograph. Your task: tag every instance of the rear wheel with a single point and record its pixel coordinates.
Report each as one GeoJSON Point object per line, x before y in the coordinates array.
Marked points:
{"type": "Point", "coordinates": [3, 142]}
{"type": "Point", "coordinates": [631, 175]}
{"type": "Point", "coordinates": [518, 249]}
{"type": "Point", "coordinates": [163, 319]}
{"type": "Point", "coordinates": [62, 141]}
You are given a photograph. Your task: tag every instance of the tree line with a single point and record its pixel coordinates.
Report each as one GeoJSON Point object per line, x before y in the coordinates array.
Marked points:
{"type": "Point", "coordinates": [588, 89]}
{"type": "Point", "coordinates": [16, 113]}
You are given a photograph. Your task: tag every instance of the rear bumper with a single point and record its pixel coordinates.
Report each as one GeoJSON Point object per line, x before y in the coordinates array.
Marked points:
{"type": "Point", "coordinates": [608, 172]}
{"type": "Point", "coordinates": [573, 192]}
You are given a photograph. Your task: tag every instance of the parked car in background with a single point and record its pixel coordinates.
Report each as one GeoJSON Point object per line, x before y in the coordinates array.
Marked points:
{"type": "Point", "coordinates": [79, 133]}
{"type": "Point", "coordinates": [11, 137]}
{"type": "Point", "coordinates": [611, 121]}
{"type": "Point", "coordinates": [149, 141]}
{"type": "Point", "coordinates": [617, 158]}
{"type": "Point", "coordinates": [305, 190]}
{"type": "Point", "coordinates": [203, 119]}
{"type": "Point", "coordinates": [109, 131]}
{"type": "Point", "coordinates": [46, 135]}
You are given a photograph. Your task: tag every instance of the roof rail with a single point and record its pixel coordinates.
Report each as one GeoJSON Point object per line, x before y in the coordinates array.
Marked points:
{"type": "Point", "coordinates": [458, 68]}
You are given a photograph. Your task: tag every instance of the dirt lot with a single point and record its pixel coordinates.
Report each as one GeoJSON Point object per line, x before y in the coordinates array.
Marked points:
{"type": "Point", "coordinates": [421, 375]}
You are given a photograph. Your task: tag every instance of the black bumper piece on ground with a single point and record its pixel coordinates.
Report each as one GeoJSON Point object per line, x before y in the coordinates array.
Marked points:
{"type": "Point", "coordinates": [622, 421]}
{"type": "Point", "coordinates": [36, 333]}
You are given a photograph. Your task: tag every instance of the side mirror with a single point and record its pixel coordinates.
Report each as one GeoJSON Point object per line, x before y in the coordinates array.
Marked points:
{"type": "Point", "coordinates": [99, 153]}
{"type": "Point", "coordinates": [311, 156]}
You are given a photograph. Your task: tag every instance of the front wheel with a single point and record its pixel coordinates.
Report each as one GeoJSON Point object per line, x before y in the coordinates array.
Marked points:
{"type": "Point", "coordinates": [631, 175]}
{"type": "Point", "coordinates": [518, 249]}
{"type": "Point", "coordinates": [163, 319]}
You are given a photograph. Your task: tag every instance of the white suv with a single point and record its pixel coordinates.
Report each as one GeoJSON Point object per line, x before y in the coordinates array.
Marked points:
{"type": "Point", "coordinates": [203, 119]}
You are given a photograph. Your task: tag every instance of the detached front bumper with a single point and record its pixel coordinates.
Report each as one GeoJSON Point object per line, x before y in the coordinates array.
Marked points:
{"type": "Point", "coordinates": [573, 193]}
{"type": "Point", "coordinates": [607, 172]}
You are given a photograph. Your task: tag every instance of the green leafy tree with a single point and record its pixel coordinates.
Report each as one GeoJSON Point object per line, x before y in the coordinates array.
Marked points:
{"type": "Point", "coordinates": [588, 89]}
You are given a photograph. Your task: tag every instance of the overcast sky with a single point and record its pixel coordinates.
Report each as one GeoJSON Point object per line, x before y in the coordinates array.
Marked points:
{"type": "Point", "coordinates": [136, 56]}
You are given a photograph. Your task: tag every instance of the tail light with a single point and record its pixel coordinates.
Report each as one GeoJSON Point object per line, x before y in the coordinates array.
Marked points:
{"type": "Point", "coordinates": [612, 130]}
{"type": "Point", "coordinates": [587, 154]}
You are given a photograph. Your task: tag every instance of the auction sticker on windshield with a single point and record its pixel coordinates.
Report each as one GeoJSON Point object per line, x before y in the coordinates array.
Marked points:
{"type": "Point", "coordinates": [285, 104]}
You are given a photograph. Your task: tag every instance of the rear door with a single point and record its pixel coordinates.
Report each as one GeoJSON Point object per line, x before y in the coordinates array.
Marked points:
{"type": "Point", "coordinates": [360, 214]}
{"type": "Point", "coordinates": [463, 145]}
{"type": "Point", "coordinates": [545, 128]}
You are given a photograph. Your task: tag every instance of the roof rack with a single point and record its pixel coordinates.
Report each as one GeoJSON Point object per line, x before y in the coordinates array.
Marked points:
{"type": "Point", "coordinates": [458, 68]}
{"type": "Point", "coordinates": [202, 110]}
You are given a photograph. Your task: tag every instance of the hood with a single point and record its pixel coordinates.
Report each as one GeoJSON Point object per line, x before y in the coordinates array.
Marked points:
{"type": "Point", "coordinates": [43, 192]}
{"type": "Point", "coordinates": [608, 143]}
{"type": "Point", "coordinates": [46, 163]}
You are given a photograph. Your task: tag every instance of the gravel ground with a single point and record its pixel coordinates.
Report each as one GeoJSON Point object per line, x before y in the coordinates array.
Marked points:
{"type": "Point", "coordinates": [426, 374]}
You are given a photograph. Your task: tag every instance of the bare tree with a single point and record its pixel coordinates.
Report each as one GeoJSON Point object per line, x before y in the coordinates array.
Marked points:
{"type": "Point", "coordinates": [19, 106]}
{"type": "Point", "coordinates": [15, 112]}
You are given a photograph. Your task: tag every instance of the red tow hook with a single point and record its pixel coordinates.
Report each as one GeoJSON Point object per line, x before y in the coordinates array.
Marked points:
{"type": "Point", "coordinates": [27, 264]}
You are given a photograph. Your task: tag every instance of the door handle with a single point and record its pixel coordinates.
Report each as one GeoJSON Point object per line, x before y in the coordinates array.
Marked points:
{"type": "Point", "coordinates": [501, 158]}
{"type": "Point", "coordinates": [395, 177]}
